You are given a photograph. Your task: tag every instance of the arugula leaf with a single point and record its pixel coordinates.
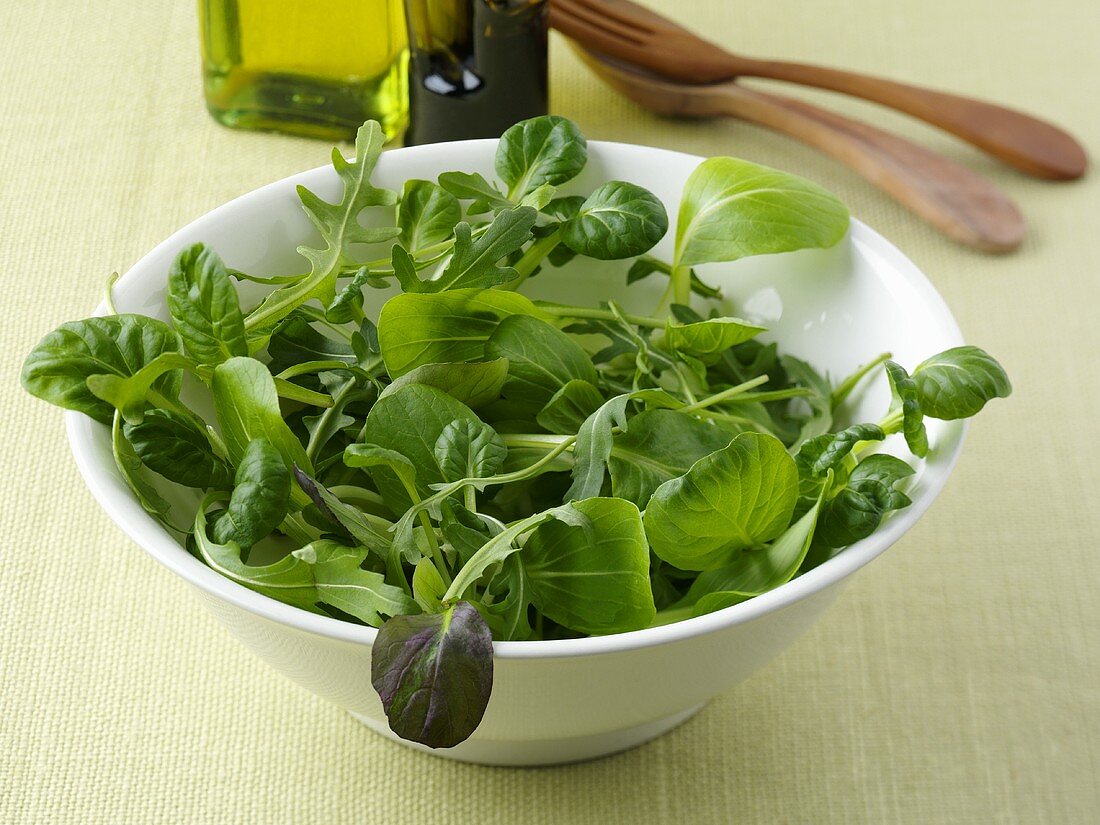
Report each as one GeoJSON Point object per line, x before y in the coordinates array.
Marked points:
{"type": "Point", "coordinates": [618, 220]}
{"type": "Point", "coordinates": [322, 571]}
{"type": "Point", "coordinates": [542, 150]}
{"type": "Point", "coordinates": [463, 530]}
{"type": "Point", "coordinates": [364, 341]}
{"type": "Point", "coordinates": [474, 261]}
{"type": "Point", "coordinates": [541, 358]}
{"type": "Point", "coordinates": [469, 449]}
{"type": "Point", "coordinates": [503, 545]}
{"type": "Point", "coordinates": [434, 674]}
{"type": "Point", "coordinates": [622, 341]}
{"type": "Point", "coordinates": [957, 383]}
{"type": "Point", "coordinates": [204, 306]}
{"type": "Point", "coordinates": [171, 445]}
{"type": "Point", "coordinates": [593, 447]}
{"type": "Point", "coordinates": [297, 341]}
{"type": "Point", "coordinates": [346, 389]}
{"type": "Point", "coordinates": [508, 616]}
{"type": "Point", "coordinates": [58, 367]}
{"type": "Point", "coordinates": [414, 330]}
{"type": "Point", "coordinates": [260, 499]}
{"type": "Point", "coordinates": [467, 186]}
{"type": "Point", "coordinates": [343, 584]}
{"type": "Point", "coordinates": [350, 520]}
{"type": "Point", "coordinates": [289, 580]}
{"type": "Point", "coordinates": [626, 338]}
{"type": "Point", "coordinates": [427, 214]}
{"type": "Point", "coordinates": [655, 398]}
{"type": "Point", "coordinates": [568, 408]}
{"type": "Point", "coordinates": [710, 338]}
{"type": "Point", "coordinates": [732, 209]}
{"type": "Point", "coordinates": [404, 271]}
{"type": "Point", "coordinates": [474, 383]}
{"type": "Point", "coordinates": [323, 435]}
{"type": "Point", "coordinates": [593, 578]}
{"type": "Point", "coordinates": [347, 306]}
{"type": "Point", "coordinates": [730, 500]}
{"type": "Point", "coordinates": [339, 227]}
{"type": "Point", "coordinates": [362, 456]}
{"type": "Point", "coordinates": [906, 398]}
{"type": "Point", "coordinates": [660, 445]}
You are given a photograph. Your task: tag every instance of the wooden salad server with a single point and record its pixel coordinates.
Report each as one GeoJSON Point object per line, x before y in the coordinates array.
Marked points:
{"type": "Point", "coordinates": [957, 201]}
{"type": "Point", "coordinates": [632, 33]}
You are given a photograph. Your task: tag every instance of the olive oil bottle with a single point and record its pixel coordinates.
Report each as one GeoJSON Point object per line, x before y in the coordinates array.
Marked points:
{"type": "Point", "coordinates": [309, 67]}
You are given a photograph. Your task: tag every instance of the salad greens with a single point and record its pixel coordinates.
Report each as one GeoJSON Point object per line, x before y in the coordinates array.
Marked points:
{"type": "Point", "coordinates": [473, 465]}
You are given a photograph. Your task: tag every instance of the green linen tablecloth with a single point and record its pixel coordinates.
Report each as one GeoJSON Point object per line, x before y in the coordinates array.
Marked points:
{"type": "Point", "coordinates": [957, 679]}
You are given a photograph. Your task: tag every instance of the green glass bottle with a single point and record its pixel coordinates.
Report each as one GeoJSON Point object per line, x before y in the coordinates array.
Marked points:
{"type": "Point", "coordinates": [309, 67]}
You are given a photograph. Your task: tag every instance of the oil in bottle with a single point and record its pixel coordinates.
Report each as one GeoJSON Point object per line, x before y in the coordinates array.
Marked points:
{"type": "Point", "coordinates": [317, 68]}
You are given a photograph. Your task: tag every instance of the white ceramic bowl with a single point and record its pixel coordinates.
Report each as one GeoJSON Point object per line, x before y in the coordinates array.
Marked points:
{"type": "Point", "coordinates": [559, 701]}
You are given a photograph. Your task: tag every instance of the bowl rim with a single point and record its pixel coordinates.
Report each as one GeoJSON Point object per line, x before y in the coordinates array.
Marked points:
{"type": "Point", "coordinates": [151, 536]}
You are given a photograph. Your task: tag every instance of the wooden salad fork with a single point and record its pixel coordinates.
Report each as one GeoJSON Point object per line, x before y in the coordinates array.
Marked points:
{"type": "Point", "coordinates": [630, 32]}
{"type": "Point", "coordinates": [954, 199]}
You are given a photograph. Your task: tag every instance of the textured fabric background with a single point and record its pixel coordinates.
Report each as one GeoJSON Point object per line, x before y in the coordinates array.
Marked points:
{"type": "Point", "coordinates": [958, 679]}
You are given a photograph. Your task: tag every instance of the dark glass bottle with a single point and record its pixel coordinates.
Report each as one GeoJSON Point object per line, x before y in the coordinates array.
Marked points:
{"type": "Point", "coordinates": [475, 67]}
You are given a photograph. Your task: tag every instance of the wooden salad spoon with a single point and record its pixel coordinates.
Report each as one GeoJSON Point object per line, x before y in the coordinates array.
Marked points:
{"type": "Point", "coordinates": [632, 33]}
{"type": "Point", "coordinates": [955, 200]}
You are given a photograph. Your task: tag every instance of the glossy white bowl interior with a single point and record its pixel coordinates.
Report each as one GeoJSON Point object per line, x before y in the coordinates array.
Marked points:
{"type": "Point", "coordinates": [564, 700]}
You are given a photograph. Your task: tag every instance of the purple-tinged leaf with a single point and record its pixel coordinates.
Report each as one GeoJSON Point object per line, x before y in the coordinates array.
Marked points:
{"type": "Point", "coordinates": [434, 674]}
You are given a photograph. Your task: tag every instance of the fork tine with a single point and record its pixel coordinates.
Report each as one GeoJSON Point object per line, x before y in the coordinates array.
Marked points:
{"type": "Point", "coordinates": [597, 39]}
{"type": "Point", "coordinates": [593, 20]}
{"type": "Point", "coordinates": [609, 10]}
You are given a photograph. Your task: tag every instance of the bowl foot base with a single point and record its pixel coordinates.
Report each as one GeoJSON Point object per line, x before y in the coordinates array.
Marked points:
{"type": "Point", "coordinates": [533, 752]}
